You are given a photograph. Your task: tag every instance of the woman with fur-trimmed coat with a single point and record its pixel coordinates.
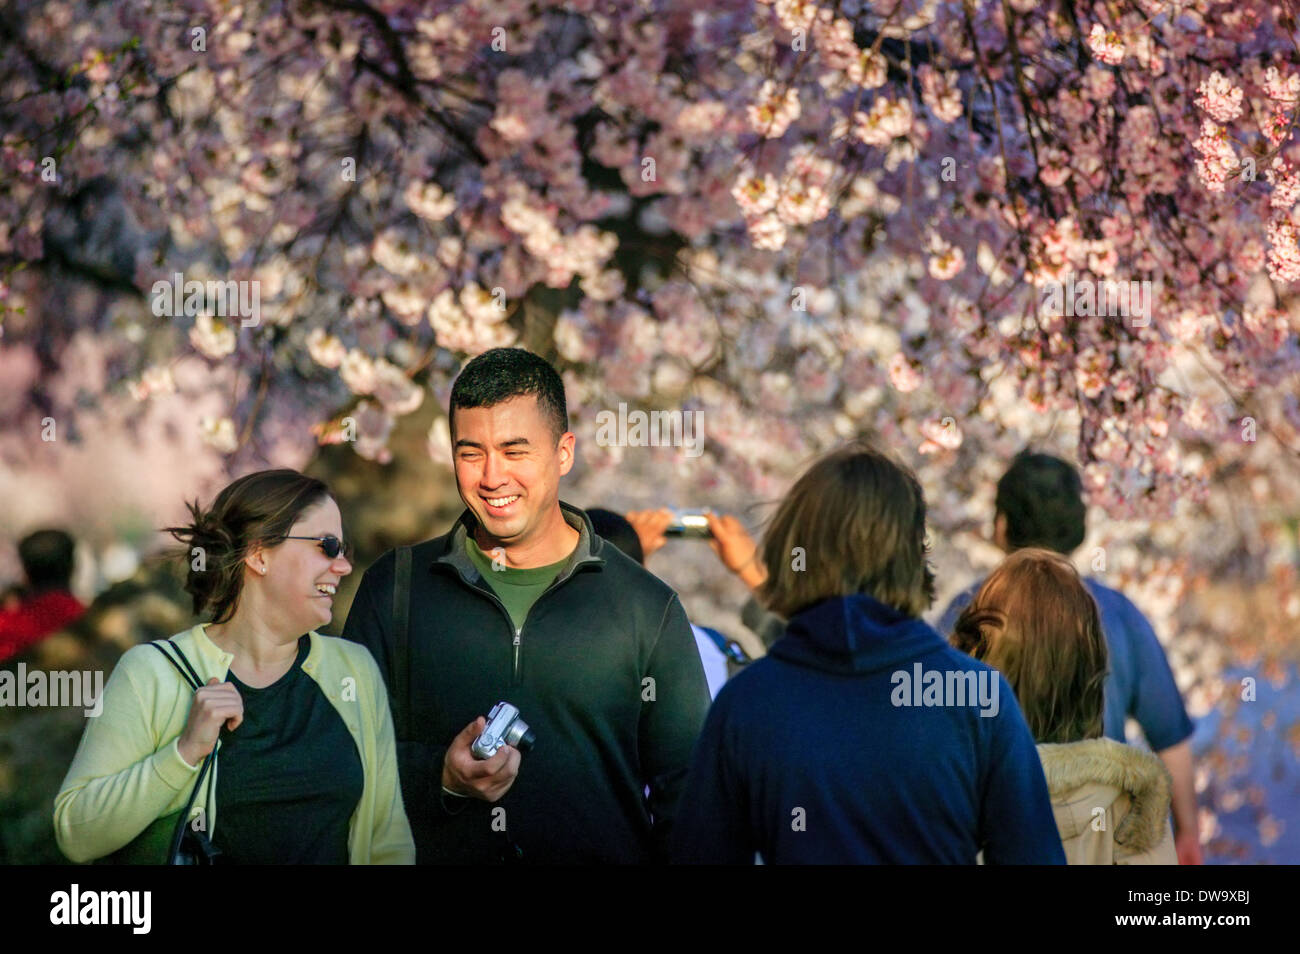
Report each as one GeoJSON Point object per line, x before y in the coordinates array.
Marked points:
{"type": "Point", "coordinates": [1034, 620]}
{"type": "Point", "coordinates": [1111, 803]}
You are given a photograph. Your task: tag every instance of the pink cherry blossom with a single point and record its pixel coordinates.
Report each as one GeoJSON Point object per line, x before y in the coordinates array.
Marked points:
{"type": "Point", "coordinates": [1106, 45]}
{"type": "Point", "coordinates": [939, 435]}
{"type": "Point", "coordinates": [774, 110]}
{"type": "Point", "coordinates": [940, 93]}
{"type": "Point", "coordinates": [946, 262]}
{"type": "Point", "coordinates": [1218, 97]}
{"type": "Point", "coordinates": [767, 231]}
{"type": "Point", "coordinates": [887, 120]}
{"type": "Point", "coordinates": [867, 69]}
{"type": "Point", "coordinates": [902, 374]}
{"type": "Point", "coordinates": [754, 193]}
{"type": "Point", "coordinates": [212, 337]}
{"type": "Point", "coordinates": [219, 433]}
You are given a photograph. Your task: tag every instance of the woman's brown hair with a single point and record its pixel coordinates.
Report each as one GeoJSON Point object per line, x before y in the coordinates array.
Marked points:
{"type": "Point", "coordinates": [1035, 622]}
{"type": "Point", "coordinates": [258, 508]}
{"type": "Point", "coordinates": [853, 523]}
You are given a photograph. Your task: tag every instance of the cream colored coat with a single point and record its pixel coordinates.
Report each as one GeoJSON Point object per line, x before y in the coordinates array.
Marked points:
{"type": "Point", "coordinates": [1111, 803]}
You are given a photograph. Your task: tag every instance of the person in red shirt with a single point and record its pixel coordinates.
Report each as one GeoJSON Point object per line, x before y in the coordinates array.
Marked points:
{"type": "Point", "coordinates": [47, 605]}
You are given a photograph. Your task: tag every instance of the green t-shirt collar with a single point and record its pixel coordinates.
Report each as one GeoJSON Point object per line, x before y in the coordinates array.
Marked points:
{"type": "Point", "coordinates": [513, 576]}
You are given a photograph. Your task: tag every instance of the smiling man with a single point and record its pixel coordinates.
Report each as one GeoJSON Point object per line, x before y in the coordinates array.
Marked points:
{"type": "Point", "coordinates": [521, 602]}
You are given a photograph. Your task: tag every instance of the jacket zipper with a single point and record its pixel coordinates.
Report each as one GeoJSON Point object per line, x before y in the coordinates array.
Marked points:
{"type": "Point", "coordinates": [519, 632]}
{"type": "Point", "coordinates": [517, 639]}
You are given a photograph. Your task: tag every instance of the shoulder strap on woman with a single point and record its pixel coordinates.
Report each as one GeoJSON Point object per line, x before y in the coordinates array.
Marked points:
{"type": "Point", "coordinates": [178, 661]}
{"type": "Point", "coordinates": [401, 642]}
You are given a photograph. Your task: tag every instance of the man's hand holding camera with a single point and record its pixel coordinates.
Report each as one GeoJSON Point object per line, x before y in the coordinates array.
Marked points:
{"type": "Point", "coordinates": [487, 779]}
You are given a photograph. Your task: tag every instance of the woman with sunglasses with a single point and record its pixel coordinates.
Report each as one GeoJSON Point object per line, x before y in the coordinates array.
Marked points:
{"type": "Point", "coordinates": [306, 770]}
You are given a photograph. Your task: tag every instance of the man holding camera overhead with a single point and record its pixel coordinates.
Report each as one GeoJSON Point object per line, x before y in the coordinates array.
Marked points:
{"type": "Point", "coordinates": [522, 603]}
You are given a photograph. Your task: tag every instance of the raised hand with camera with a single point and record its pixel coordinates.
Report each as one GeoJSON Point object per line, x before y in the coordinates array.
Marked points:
{"type": "Point", "coordinates": [651, 528]}
{"type": "Point", "coordinates": [736, 549]}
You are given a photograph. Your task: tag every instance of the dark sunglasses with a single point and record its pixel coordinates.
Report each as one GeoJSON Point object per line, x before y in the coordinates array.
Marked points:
{"type": "Point", "coordinates": [329, 544]}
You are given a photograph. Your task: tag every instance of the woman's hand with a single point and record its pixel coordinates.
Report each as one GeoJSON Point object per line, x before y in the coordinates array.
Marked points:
{"type": "Point", "coordinates": [736, 549]}
{"type": "Point", "coordinates": [216, 704]}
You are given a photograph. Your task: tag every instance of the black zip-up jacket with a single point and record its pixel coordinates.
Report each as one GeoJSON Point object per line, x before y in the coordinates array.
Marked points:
{"type": "Point", "coordinates": [604, 669]}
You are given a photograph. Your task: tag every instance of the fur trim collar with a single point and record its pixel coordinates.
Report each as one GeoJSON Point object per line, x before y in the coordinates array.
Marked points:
{"type": "Point", "coordinates": [1140, 774]}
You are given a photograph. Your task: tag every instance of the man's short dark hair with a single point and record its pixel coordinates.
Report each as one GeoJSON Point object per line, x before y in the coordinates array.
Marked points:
{"type": "Point", "coordinates": [615, 528]}
{"type": "Point", "coordinates": [1042, 498]}
{"type": "Point", "coordinates": [46, 556]}
{"type": "Point", "coordinates": [504, 373]}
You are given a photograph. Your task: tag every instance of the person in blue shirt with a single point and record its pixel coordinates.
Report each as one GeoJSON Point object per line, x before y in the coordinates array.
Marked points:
{"type": "Point", "coordinates": [1040, 504]}
{"type": "Point", "coordinates": [862, 737]}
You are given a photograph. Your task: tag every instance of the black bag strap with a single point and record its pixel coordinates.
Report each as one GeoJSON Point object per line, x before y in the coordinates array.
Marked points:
{"type": "Point", "coordinates": [184, 822]}
{"type": "Point", "coordinates": [182, 665]}
{"type": "Point", "coordinates": [402, 642]}
{"type": "Point", "coordinates": [187, 673]}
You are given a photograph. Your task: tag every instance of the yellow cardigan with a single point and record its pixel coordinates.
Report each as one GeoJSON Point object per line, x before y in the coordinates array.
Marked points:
{"type": "Point", "coordinates": [128, 771]}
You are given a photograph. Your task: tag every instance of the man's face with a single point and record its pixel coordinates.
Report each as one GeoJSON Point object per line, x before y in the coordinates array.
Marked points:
{"type": "Point", "coordinates": [508, 466]}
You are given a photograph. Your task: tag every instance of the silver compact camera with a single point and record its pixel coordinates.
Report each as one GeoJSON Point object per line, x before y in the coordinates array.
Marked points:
{"type": "Point", "coordinates": [504, 727]}
{"type": "Point", "coordinates": [690, 524]}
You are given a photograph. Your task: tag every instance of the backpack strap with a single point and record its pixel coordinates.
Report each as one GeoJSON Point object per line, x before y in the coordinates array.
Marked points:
{"type": "Point", "coordinates": [715, 637]}
{"type": "Point", "coordinates": [402, 642]}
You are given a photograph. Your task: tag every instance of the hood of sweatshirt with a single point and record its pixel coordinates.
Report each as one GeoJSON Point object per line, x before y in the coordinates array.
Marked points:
{"type": "Point", "coordinates": [854, 634]}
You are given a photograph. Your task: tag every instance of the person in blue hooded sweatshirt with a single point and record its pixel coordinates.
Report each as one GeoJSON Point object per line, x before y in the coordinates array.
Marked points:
{"type": "Point", "coordinates": [862, 737]}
